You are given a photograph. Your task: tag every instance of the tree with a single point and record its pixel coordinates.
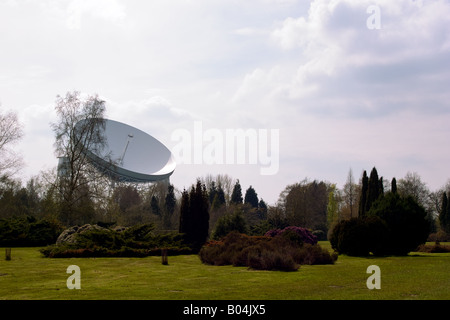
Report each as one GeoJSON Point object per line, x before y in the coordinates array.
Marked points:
{"type": "Point", "coordinates": [374, 189]}
{"type": "Point", "coordinates": [186, 221]}
{"type": "Point", "coordinates": [154, 205]}
{"type": "Point", "coordinates": [220, 197]}
{"type": "Point", "coordinates": [332, 206]}
{"type": "Point", "coordinates": [448, 217]}
{"type": "Point", "coordinates": [262, 209]}
{"type": "Point", "coordinates": [305, 204]}
{"type": "Point", "coordinates": [412, 185]}
{"type": "Point", "coordinates": [169, 204]}
{"type": "Point", "coordinates": [394, 225]}
{"type": "Point", "coordinates": [10, 133]}
{"type": "Point", "coordinates": [222, 180]}
{"type": "Point", "coordinates": [251, 197]}
{"type": "Point", "coordinates": [444, 216]}
{"type": "Point", "coordinates": [216, 197]}
{"type": "Point", "coordinates": [236, 196]}
{"type": "Point", "coordinates": [170, 200]}
{"type": "Point", "coordinates": [194, 215]}
{"type": "Point", "coordinates": [406, 222]}
{"type": "Point", "coordinates": [394, 186]}
{"type": "Point", "coordinates": [79, 130]}
{"type": "Point", "coordinates": [128, 200]}
{"type": "Point", "coordinates": [350, 193]}
{"type": "Point", "coordinates": [228, 223]}
{"type": "Point", "coordinates": [212, 192]}
{"type": "Point", "coordinates": [363, 195]}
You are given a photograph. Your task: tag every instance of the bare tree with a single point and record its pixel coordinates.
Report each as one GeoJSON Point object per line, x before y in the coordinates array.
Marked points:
{"type": "Point", "coordinates": [10, 133]}
{"type": "Point", "coordinates": [223, 180]}
{"type": "Point", "coordinates": [79, 130]}
{"type": "Point", "coordinates": [351, 194]}
{"type": "Point", "coordinates": [305, 204]}
{"type": "Point", "coordinates": [412, 185]}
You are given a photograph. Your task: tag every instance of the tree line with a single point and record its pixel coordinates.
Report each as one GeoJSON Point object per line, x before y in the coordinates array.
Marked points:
{"type": "Point", "coordinates": [217, 203]}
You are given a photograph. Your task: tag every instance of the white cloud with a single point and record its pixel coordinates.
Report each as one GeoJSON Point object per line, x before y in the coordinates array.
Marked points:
{"type": "Point", "coordinates": [337, 56]}
{"type": "Point", "coordinates": [311, 69]}
{"type": "Point", "coordinates": [109, 10]}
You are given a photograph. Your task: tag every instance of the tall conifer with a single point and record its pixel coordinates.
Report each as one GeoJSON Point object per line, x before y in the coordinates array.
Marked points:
{"type": "Point", "coordinates": [444, 216]}
{"type": "Point", "coordinates": [373, 190]}
{"type": "Point", "coordinates": [363, 196]}
{"type": "Point", "coordinates": [394, 186]}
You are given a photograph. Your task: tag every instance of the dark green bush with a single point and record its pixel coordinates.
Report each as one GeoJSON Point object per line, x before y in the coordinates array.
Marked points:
{"type": "Point", "coordinates": [28, 232]}
{"type": "Point", "coordinates": [350, 237]}
{"type": "Point", "coordinates": [136, 241]}
{"type": "Point", "coordinates": [393, 226]}
{"type": "Point", "coordinates": [406, 221]}
{"type": "Point", "coordinates": [229, 223]}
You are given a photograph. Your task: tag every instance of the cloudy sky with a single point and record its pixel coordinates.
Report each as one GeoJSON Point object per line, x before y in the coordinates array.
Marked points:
{"type": "Point", "coordinates": [347, 83]}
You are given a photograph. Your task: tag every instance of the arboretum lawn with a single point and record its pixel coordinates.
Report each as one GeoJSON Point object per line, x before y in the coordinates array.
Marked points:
{"type": "Point", "coordinates": [29, 275]}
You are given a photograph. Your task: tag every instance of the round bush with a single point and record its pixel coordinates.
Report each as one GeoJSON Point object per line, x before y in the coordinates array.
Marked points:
{"type": "Point", "coordinates": [393, 226]}
{"type": "Point", "coordinates": [406, 221]}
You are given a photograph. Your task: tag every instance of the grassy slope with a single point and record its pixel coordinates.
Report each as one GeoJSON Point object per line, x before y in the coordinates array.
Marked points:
{"type": "Point", "coordinates": [31, 276]}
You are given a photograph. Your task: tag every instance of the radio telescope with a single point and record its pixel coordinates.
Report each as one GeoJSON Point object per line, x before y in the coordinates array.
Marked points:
{"type": "Point", "coordinates": [131, 155]}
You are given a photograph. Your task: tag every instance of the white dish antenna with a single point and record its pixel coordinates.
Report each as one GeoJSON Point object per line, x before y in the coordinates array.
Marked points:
{"type": "Point", "coordinates": [131, 155]}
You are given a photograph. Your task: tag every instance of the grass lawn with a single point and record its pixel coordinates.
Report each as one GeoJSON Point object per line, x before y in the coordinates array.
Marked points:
{"type": "Point", "coordinates": [29, 275]}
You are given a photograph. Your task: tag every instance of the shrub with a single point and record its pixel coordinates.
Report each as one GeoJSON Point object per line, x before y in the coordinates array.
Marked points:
{"type": "Point", "coordinates": [136, 241]}
{"type": "Point", "coordinates": [313, 254]}
{"type": "Point", "coordinates": [282, 252]}
{"type": "Point", "coordinates": [263, 257]}
{"type": "Point", "coordinates": [229, 223]}
{"type": "Point", "coordinates": [393, 226]}
{"type": "Point", "coordinates": [439, 236]}
{"type": "Point", "coordinates": [28, 232]}
{"type": "Point", "coordinates": [304, 234]}
{"type": "Point", "coordinates": [436, 248]}
{"type": "Point", "coordinates": [350, 237]}
{"type": "Point", "coordinates": [406, 221]}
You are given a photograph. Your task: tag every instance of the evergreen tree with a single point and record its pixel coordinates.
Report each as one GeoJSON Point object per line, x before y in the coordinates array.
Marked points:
{"type": "Point", "coordinates": [444, 216]}
{"type": "Point", "coordinates": [154, 204]}
{"type": "Point", "coordinates": [220, 196]}
{"type": "Point", "coordinates": [185, 213]}
{"type": "Point", "coordinates": [236, 196]}
{"type": "Point", "coordinates": [251, 197]}
{"type": "Point", "coordinates": [170, 200]}
{"type": "Point", "coordinates": [363, 196]}
{"type": "Point", "coordinates": [373, 190]}
{"type": "Point", "coordinates": [212, 192]}
{"type": "Point", "coordinates": [194, 215]}
{"type": "Point", "coordinates": [406, 222]}
{"type": "Point", "coordinates": [381, 187]}
{"type": "Point", "coordinates": [229, 223]}
{"type": "Point", "coordinates": [448, 216]}
{"type": "Point", "coordinates": [394, 186]}
{"type": "Point", "coordinates": [262, 209]}
{"type": "Point", "coordinates": [169, 206]}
